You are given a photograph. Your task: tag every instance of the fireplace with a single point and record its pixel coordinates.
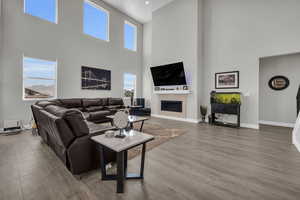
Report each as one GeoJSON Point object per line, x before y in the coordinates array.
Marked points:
{"type": "Point", "coordinates": [171, 106]}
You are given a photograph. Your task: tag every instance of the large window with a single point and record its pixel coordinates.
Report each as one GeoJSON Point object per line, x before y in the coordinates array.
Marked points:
{"type": "Point", "coordinates": [129, 85]}
{"type": "Point", "coordinates": [130, 36]}
{"type": "Point", "coordinates": [95, 21]}
{"type": "Point", "coordinates": [39, 79]}
{"type": "Point", "coordinates": [44, 9]}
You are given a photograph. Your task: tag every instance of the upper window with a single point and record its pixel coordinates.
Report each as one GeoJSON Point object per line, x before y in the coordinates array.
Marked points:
{"type": "Point", "coordinates": [130, 36]}
{"type": "Point", "coordinates": [39, 79]}
{"type": "Point", "coordinates": [129, 85]}
{"type": "Point", "coordinates": [44, 9]}
{"type": "Point", "coordinates": [95, 21]}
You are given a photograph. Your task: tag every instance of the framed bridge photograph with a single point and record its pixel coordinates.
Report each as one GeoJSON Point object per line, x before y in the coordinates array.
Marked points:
{"type": "Point", "coordinates": [95, 78]}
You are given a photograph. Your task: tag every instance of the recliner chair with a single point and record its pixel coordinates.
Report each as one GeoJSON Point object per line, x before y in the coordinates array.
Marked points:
{"type": "Point", "coordinates": [141, 111]}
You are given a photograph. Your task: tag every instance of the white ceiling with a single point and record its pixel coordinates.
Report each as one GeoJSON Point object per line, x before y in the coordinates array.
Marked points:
{"type": "Point", "coordinates": [137, 9]}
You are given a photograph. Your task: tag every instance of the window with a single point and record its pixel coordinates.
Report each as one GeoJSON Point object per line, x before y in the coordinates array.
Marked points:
{"type": "Point", "coordinates": [44, 9]}
{"type": "Point", "coordinates": [95, 21]}
{"type": "Point", "coordinates": [129, 85]}
{"type": "Point", "coordinates": [130, 36]}
{"type": "Point", "coordinates": [39, 79]}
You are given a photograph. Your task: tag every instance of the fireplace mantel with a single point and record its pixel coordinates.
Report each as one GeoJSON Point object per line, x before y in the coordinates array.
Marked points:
{"type": "Point", "coordinates": [173, 92]}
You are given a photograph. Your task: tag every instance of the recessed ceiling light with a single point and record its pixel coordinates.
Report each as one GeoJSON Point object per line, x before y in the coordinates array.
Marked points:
{"type": "Point", "coordinates": [147, 2]}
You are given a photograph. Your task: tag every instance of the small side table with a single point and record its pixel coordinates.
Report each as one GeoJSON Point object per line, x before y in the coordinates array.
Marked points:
{"type": "Point", "coordinates": [121, 147]}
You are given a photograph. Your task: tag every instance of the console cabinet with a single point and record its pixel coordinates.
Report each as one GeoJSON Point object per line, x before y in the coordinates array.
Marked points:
{"type": "Point", "coordinates": [231, 109]}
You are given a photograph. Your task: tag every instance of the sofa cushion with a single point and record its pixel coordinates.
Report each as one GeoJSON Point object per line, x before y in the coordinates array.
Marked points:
{"type": "Point", "coordinates": [103, 101]}
{"type": "Point", "coordinates": [56, 110]}
{"type": "Point", "coordinates": [94, 102]}
{"type": "Point", "coordinates": [71, 103]}
{"type": "Point", "coordinates": [90, 102]}
{"type": "Point", "coordinates": [115, 101]}
{"type": "Point", "coordinates": [94, 108]}
{"type": "Point", "coordinates": [77, 122]}
{"type": "Point", "coordinates": [43, 104]}
{"type": "Point", "coordinates": [99, 115]}
{"type": "Point", "coordinates": [114, 107]}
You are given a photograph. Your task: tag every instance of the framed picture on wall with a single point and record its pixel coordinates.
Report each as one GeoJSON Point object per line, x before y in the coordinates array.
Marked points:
{"type": "Point", "coordinates": [95, 78]}
{"type": "Point", "coordinates": [227, 80]}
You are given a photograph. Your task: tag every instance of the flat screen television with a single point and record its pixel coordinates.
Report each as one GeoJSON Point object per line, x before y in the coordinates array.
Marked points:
{"type": "Point", "coordinates": [167, 75]}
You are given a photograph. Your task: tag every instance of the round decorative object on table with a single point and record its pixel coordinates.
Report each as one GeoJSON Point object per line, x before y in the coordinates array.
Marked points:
{"type": "Point", "coordinates": [121, 122]}
{"type": "Point", "coordinates": [110, 134]}
{"type": "Point", "coordinates": [279, 83]}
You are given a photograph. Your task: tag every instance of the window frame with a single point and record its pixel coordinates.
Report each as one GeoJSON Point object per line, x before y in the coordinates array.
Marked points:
{"type": "Point", "coordinates": [56, 13]}
{"type": "Point", "coordinates": [23, 80]}
{"type": "Point", "coordinates": [126, 22]}
{"type": "Point", "coordinates": [93, 4]}
{"type": "Point", "coordinates": [135, 84]}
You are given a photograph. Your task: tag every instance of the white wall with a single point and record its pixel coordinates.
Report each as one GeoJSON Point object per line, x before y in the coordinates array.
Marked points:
{"type": "Point", "coordinates": [1, 73]}
{"type": "Point", "coordinates": [147, 63]}
{"type": "Point", "coordinates": [238, 33]}
{"type": "Point", "coordinates": [279, 106]}
{"type": "Point", "coordinates": [175, 38]}
{"type": "Point", "coordinates": [200, 54]}
{"type": "Point", "coordinates": [65, 41]}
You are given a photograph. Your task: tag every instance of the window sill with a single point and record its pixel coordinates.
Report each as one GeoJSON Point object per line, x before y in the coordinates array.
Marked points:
{"type": "Point", "coordinates": [130, 50]}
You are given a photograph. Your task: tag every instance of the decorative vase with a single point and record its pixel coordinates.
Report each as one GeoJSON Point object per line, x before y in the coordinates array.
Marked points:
{"type": "Point", "coordinates": [203, 111]}
{"type": "Point", "coordinates": [203, 118]}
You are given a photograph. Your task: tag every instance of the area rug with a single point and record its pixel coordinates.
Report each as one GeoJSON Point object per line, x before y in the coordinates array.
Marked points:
{"type": "Point", "coordinates": [161, 135]}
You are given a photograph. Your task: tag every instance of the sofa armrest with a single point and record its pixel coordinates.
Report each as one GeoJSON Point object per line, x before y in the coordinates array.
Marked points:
{"type": "Point", "coordinates": [84, 156]}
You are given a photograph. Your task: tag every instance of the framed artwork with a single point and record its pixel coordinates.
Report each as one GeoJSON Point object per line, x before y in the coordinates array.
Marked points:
{"type": "Point", "coordinates": [95, 78]}
{"type": "Point", "coordinates": [227, 80]}
{"type": "Point", "coordinates": [279, 83]}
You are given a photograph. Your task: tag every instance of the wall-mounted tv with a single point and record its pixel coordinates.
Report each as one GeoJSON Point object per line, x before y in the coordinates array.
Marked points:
{"type": "Point", "coordinates": [168, 75]}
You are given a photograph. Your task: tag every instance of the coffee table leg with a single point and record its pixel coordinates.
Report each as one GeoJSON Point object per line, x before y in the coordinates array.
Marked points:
{"type": "Point", "coordinates": [120, 171]}
{"type": "Point", "coordinates": [131, 125]}
{"type": "Point", "coordinates": [142, 126]}
{"type": "Point", "coordinates": [143, 161]}
{"type": "Point", "coordinates": [102, 162]}
{"type": "Point", "coordinates": [125, 162]}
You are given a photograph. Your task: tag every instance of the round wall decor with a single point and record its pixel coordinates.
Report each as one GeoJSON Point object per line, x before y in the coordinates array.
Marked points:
{"type": "Point", "coordinates": [279, 83]}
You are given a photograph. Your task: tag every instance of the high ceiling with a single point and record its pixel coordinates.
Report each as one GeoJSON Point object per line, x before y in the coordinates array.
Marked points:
{"type": "Point", "coordinates": [138, 9]}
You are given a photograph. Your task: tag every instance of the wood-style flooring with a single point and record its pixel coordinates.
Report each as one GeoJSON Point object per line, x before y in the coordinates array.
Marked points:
{"type": "Point", "coordinates": [207, 163]}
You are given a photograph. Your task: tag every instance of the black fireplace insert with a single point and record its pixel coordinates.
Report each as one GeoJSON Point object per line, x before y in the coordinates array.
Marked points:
{"type": "Point", "coordinates": [171, 106]}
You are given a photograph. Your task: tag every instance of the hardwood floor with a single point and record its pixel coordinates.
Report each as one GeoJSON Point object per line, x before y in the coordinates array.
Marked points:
{"type": "Point", "coordinates": [206, 163]}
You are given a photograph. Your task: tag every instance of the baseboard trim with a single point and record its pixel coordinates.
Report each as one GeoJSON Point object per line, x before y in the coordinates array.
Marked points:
{"type": "Point", "coordinates": [195, 121]}
{"type": "Point", "coordinates": [297, 145]}
{"type": "Point", "coordinates": [283, 124]}
{"type": "Point", "coordinates": [243, 125]}
{"type": "Point", "coordinates": [252, 126]}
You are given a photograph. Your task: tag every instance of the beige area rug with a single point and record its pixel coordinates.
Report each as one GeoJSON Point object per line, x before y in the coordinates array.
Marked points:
{"type": "Point", "coordinates": [160, 134]}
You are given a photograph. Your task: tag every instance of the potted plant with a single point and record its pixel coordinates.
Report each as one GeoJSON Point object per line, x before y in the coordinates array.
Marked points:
{"type": "Point", "coordinates": [203, 110]}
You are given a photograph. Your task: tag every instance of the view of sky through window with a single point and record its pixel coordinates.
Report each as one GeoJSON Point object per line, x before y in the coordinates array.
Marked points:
{"type": "Point", "coordinates": [95, 21]}
{"type": "Point", "coordinates": [44, 9]}
{"type": "Point", "coordinates": [130, 36]}
{"type": "Point", "coordinates": [39, 78]}
{"type": "Point", "coordinates": [129, 85]}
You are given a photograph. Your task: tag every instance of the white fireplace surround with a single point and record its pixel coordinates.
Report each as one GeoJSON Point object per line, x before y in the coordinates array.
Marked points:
{"type": "Point", "coordinates": [173, 97]}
